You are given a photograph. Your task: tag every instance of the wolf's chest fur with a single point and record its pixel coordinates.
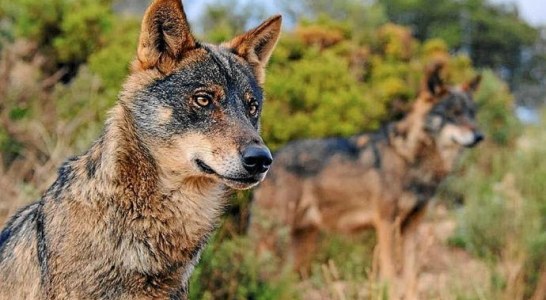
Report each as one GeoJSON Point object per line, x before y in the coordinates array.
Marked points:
{"type": "Point", "coordinates": [119, 228]}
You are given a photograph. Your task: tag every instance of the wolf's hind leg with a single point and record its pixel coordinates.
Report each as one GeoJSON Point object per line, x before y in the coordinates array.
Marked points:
{"type": "Point", "coordinates": [303, 246]}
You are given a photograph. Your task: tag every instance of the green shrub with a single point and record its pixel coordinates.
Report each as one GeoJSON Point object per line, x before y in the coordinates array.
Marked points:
{"type": "Point", "coordinates": [112, 61]}
{"type": "Point", "coordinates": [495, 110]}
{"type": "Point", "coordinates": [230, 269]}
{"type": "Point", "coordinates": [67, 31]}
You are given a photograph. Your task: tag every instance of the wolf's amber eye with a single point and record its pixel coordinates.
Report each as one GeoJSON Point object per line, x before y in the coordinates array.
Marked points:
{"type": "Point", "coordinates": [253, 108]}
{"type": "Point", "coordinates": [202, 100]}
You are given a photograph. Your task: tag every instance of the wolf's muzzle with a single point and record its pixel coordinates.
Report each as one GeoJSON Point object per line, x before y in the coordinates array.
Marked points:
{"type": "Point", "coordinates": [478, 137]}
{"type": "Point", "coordinates": [256, 159]}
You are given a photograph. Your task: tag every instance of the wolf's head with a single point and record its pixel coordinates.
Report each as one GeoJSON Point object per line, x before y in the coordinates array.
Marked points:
{"type": "Point", "coordinates": [196, 107]}
{"type": "Point", "coordinates": [452, 116]}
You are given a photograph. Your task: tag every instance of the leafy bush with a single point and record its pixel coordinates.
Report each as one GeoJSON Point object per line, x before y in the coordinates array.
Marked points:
{"type": "Point", "coordinates": [495, 110]}
{"type": "Point", "coordinates": [323, 83]}
{"type": "Point", "coordinates": [231, 270]}
{"type": "Point", "coordinates": [111, 62]}
{"type": "Point", "coordinates": [66, 31]}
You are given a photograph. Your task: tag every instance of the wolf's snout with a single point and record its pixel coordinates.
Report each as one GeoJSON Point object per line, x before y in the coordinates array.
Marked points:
{"type": "Point", "coordinates": [478, 137]}
{"type": "Point", "coordinates": [257, 159]}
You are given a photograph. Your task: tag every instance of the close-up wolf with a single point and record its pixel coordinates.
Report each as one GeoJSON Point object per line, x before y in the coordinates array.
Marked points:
{"type": "Point", "coordinates": [129, 218]}
{"type": "Point", "coordinates": [382, 179]}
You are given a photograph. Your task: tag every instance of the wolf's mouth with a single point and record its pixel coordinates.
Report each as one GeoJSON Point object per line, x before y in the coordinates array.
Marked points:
{"type": "Point", "coordinates": [206, 169]}
{"type": "Point", "coordinates": [203, 166]}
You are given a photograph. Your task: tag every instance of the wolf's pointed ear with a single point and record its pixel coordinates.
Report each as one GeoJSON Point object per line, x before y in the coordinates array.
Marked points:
{"type": "Point", "coordinates": [256, 45]}
{"type": "Point", "coordinates": [165, 36]}
{"type": "Point", "coordinates": [472, 85]}
{"type": "Point", "coordinates": [433, 82]}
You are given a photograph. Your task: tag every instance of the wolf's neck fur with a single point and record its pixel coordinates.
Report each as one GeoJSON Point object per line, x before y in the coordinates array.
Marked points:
{"type": "Point", "coordinates": [118, 173]}
{"type": "Point", "coordinates": [418, 148]}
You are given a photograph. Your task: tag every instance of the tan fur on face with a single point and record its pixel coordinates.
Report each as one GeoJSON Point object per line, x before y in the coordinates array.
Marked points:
{"type": "Point", "coordinates": [217, 150]}
{"type": "Point", "coordinates": [451, 141]}
{"type": "Point", "coordinates": [176, 159]}
{"type": "Point", "coordinates": [164, 115]}
{"type": "Point", "coordinates": [458, 135]}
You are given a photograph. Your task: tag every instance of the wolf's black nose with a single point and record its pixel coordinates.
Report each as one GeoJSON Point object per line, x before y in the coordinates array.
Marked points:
{"type": "Point", "coordinates": [478, 137]}
{"type": "Point", "coordinates": [257, 159]}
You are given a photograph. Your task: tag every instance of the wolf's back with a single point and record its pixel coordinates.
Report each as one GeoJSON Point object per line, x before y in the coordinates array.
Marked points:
{"type": "Point", "coordinates": [19, 265]}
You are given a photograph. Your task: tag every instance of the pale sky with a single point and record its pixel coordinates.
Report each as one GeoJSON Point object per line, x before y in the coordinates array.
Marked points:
{"type": "Point", "coordinates": [534, 11]}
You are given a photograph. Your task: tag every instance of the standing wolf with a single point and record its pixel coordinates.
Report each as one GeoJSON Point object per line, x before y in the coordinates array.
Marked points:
{"type": "Point", "coordinates": [129, 218]}
{"type": "Point", "coordinates": [382, 179]}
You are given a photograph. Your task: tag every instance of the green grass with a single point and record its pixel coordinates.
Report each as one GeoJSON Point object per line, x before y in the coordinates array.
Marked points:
{"type": "Point", "coordinates": [504, 217]}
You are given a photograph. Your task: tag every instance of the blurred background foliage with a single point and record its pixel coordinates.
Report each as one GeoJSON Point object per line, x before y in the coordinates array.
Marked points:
{"type": "Point", "coordinates": [341, 67]}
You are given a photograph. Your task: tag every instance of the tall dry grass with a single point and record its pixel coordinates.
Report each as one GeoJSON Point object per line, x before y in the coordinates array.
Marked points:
{"type": "Point", "coordinates": [39, 128]}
